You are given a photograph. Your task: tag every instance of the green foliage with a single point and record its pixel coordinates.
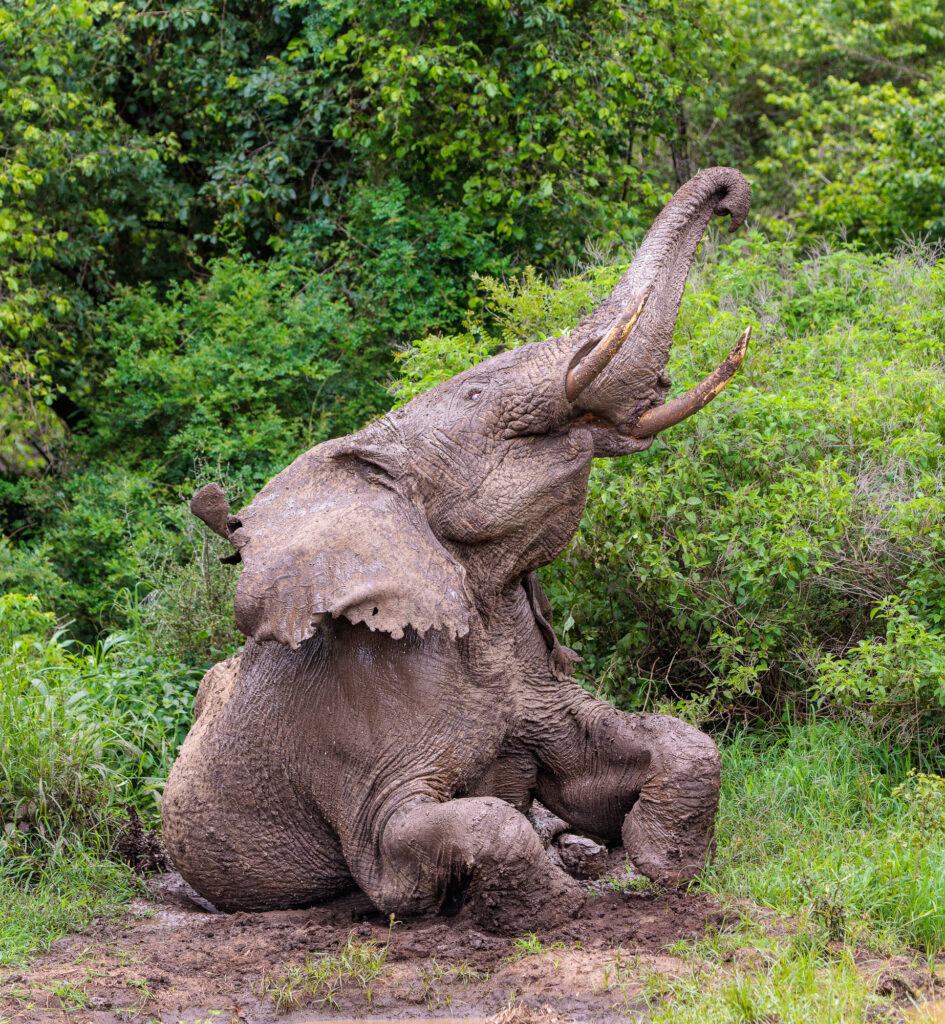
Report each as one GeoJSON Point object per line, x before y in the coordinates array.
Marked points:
{"type": "Point", "coordinates": [187, 614]}
{"type": "Point", "coordinates": [101, 531]}
{"type": "Point", "coordinates": [896, 679]}
{"type": "Point", "coordinates": [862, 162]}
{"type": "Point", "coordinates": [797, 982]}
{"type": "Point", "coordinates": [754, 555]}
{"type": "Point", "coordinates": [526, 115]}
{"type": "Point", "coordinates": [531, 118]}
{"type": "Point", "coordinates": [237, 370]}
{"type": "Point", "coordinates": [85, 733]}
{"type": "Point", "coordinates": [140, 142]}
{"type": "Point", "coordinates": [838, 108]}
{"type": "Point", "coordinates": [80, 187]}
{"type": "Point", "coordinates": [322, 979]}
{"type": "Point", "coordinates": [924, 794]}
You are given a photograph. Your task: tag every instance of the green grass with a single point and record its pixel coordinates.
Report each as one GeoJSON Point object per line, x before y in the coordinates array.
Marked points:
{"type": "Point", "coordinates": [820, 822]}
{"type": "Point", "coordinates": [320, 980]}
{"type": "Point", "coordinates": [433, 975]}
{"type": "Point", "coordinates": [66, 896]}
{"type": "Point", "coordinates": [795, 983]}
{"type": "Point", "coordinates": [83, 735]}
{"type": "Point", "coordinates": [845, 841]}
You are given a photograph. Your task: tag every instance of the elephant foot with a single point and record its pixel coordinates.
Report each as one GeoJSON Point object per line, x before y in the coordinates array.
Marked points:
{"type": "Point", "coordinates": [579, 856]}
{"type": "Point", "coordinates": [650, 781]}
{"type": "Point", "coordinates": [669, 832]}
{"type": "Point", "coordinates": [479, 849]}
{"type": "Point", "coordinates": [498, 906]}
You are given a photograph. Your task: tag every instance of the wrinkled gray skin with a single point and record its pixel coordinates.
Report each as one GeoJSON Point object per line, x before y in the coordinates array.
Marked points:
{"type": "Point", "coordinates": [401, 698]}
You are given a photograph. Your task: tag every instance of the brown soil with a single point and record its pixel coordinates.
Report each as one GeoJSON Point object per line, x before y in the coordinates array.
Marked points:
{"type": "Point", "coordinates": [168, 960]}
{"type": "Point", "coordinates": [172, 961]}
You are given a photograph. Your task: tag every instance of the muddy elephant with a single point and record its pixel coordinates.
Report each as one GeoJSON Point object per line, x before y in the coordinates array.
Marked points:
{"type": "Point", "coordinates": [402, 697]}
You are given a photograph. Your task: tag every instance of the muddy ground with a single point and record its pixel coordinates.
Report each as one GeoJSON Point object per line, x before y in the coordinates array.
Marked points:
{"type": "Point", "coordinates": [168, 960]}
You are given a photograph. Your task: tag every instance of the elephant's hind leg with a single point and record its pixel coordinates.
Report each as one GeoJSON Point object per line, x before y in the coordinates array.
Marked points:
{"type": "Point", "coordinates": [428, 851]}
{"type": "Point", "coordinates": [234, 826]}
{"type": "Point", "coordinates": [244, 849]}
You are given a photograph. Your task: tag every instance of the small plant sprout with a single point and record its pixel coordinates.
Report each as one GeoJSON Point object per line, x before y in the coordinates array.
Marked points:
{"type": "Point", "coordinates": [321, 979]}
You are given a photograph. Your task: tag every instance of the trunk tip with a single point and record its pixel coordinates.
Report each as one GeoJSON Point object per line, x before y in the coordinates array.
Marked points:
{"type": "Point", "coordinates": [734, 195]}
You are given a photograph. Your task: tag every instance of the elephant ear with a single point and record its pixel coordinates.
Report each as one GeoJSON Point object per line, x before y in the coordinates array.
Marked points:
{"type": "Point", "coordinates": [339, 533]}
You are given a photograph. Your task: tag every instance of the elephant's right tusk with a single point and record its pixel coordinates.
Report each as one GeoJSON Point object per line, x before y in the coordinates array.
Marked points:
{"type": "Point", "coordinates": [675, 411]}
{"type": "Point", "coordinates": [592, 359]}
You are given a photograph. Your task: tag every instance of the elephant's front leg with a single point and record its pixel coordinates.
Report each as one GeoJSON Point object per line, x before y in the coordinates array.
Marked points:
{"type": "Point", "coordinates": [479, 847]}
{"type": "Point", "coordinates": [651, 780]}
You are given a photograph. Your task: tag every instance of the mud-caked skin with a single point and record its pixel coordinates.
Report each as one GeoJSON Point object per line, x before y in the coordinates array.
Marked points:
{"type": "Point", "coordinates": [402, 697]}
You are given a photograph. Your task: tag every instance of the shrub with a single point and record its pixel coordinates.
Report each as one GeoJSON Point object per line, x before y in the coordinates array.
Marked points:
{"type": "Point", "coordinates": [84, 732]}
{"type": "Point", "coordinates": [860, 162]}
{"type": "Point", "coordinates": [736, 566]}
{"type": "Point", "coordinates": [186, 612]}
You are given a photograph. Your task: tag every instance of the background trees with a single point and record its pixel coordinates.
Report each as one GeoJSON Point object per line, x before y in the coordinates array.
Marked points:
{"type": "Point", "coordinates": [219, 222]}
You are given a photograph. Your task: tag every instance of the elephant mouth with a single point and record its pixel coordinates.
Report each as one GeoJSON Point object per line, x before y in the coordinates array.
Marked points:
{"type": "Point", "coordinates": [668, 414]}
{"type": "Point", "coordinates": [610, 439]}
{"type": "Point", "coordinates": [591, 361]}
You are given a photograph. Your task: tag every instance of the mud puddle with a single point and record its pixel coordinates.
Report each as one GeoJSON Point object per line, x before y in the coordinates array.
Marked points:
{"type": "Point", "coordinates": [168, 960]}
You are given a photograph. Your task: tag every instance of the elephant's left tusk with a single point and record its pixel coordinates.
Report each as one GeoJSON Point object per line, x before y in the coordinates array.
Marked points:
{"type": "Point", "coordinates": [592, 359]}
{"type": "Point", "coordinates": [671, 413]}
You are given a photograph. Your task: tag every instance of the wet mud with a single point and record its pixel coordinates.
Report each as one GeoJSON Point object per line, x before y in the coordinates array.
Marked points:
{"type": "Point", "coordinates": [171, 960]}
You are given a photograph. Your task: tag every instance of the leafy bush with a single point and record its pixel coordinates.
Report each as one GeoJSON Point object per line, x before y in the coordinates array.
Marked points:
{"type": "Point", "coordinates": [835, 110]}
{"type": "Point", "coordinates": [896, 679]}
{"type": "Point", "coordinates": [861, 162]}
{"type": "Point", "coordinates": [535, 120]}
{"type": "Point", "coordinates": [753, 558]}
{"type": "Point", "coordinates": [84, 732]}
{"type": "Point", "coordinates": [187, 609]}
{"type": "Point", "coordinates": [140, 143]}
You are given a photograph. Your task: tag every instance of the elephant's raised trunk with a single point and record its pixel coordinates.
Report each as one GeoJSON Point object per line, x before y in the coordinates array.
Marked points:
{"type": "Point", "coordinates": [610, 375]}
{"type": "Point", "coordinates": [591, 360]}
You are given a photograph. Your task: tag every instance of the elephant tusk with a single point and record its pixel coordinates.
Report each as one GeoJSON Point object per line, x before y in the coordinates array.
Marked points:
{"type": "Point", "coordinates": [675, 411]}
{"type": "Point", "coordinates": [592, 359]}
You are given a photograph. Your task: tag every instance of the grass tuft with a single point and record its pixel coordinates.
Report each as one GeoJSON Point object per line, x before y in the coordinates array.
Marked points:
{"type": "Point", "coordinates": [320, 980]}
{"type": "Point", "coordinates": [797, 982]}
{"type": "Point", "coordinates": [825, 822]}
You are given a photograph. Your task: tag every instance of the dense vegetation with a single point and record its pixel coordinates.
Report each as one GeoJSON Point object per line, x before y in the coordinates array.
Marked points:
{"type": "Point", "coordinates": [230, 231]}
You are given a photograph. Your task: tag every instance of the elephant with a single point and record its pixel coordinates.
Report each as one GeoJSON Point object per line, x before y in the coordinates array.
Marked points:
{"type": "Point", "coordinates": [402, 697]}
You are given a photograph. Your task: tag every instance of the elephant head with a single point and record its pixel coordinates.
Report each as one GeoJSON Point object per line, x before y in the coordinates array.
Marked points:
{"type": "Point", "coordinates": [422, 518]}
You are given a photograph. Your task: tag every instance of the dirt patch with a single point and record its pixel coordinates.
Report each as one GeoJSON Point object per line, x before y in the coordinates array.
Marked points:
{"type": "Point", "coordinates": [171, 961]}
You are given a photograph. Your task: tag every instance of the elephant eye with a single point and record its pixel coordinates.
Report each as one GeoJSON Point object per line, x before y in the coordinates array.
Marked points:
{"type": "Point", "coordinates": [474, 393]}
